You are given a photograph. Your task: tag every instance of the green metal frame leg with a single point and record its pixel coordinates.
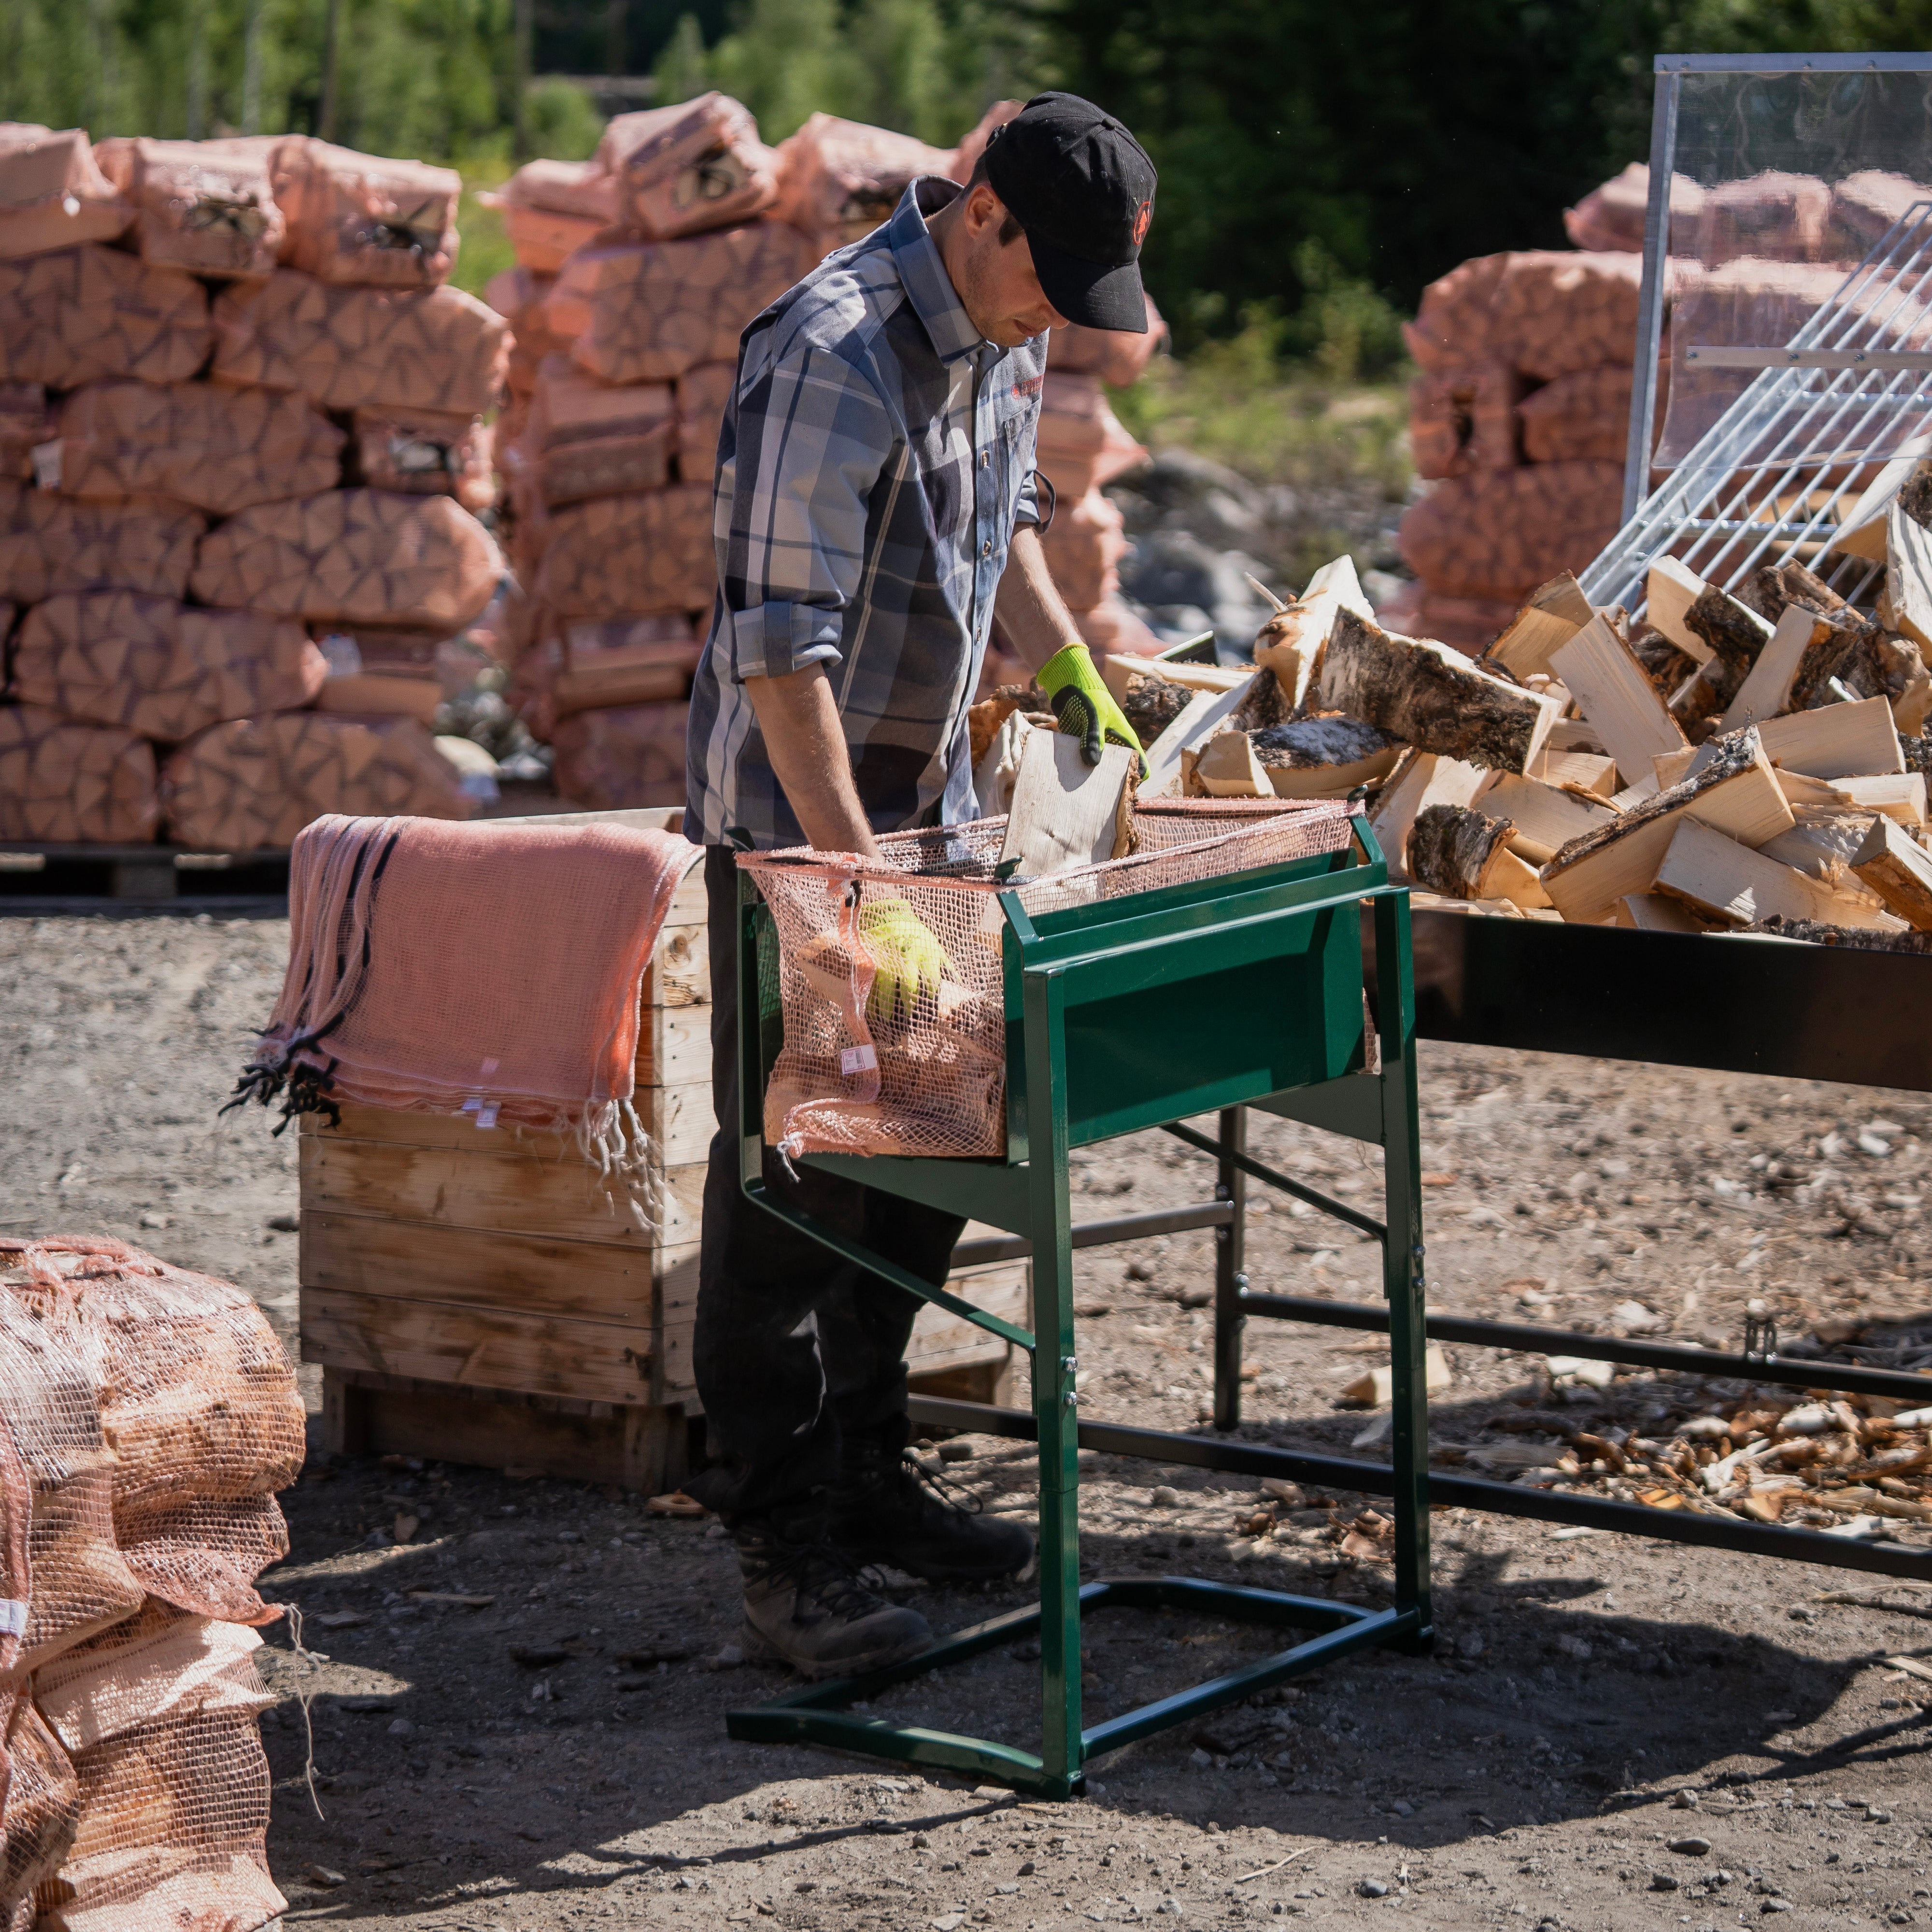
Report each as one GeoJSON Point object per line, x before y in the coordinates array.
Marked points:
{"type": "Point", "coordinates": [1230, 1265]}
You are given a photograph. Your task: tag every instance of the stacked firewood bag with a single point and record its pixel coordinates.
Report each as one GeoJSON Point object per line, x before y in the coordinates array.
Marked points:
{"type": "Point", "coordinates": [1520, 414]}
{"type": "Point", "coordinates": [148, 1416]}
{"type": "Point", "coordinates": [242, 418]}
{"type": "Point", "coordinates": [636, 274]}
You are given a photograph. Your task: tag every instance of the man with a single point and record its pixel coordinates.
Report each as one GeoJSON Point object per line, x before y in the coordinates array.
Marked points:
{"type": "Point", "coordinates": [876, 502]}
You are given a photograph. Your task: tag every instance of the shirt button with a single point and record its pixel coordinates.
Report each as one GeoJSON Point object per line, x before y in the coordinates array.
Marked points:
{"type": "Point", "coordinates": [986, 548]}
{"type": "Point", "coordinates": [986, 459]}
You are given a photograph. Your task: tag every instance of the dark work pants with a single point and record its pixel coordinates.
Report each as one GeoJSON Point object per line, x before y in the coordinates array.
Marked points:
{"type": "Point", "coordinates": [794, 1347]}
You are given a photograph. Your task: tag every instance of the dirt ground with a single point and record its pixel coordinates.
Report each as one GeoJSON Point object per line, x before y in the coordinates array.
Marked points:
{"type": "Point", "coordinates": [1612, 1731]}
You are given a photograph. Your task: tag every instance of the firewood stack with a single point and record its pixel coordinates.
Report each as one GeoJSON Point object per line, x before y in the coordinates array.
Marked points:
{"type": "Point", "coordinates": [240, 414]}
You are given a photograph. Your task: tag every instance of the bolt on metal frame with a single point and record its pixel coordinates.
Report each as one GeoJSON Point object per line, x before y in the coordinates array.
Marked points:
{"type": "Point", "coordinates": [1114, 1015]}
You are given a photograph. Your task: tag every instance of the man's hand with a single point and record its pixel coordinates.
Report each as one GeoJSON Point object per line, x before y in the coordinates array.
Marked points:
{"type": "Point", "coordinates": [1083, 705]}
{"type": "Point", "coordinates": [907, 959]}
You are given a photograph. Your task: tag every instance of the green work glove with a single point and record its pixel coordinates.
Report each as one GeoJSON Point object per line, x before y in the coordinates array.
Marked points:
{"type": "Point", "coordinates": [907, 959]}
{"type": "Point", "coordinates": [1083, 706]}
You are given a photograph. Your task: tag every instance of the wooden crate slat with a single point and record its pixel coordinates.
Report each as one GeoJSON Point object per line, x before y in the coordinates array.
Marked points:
{"type": "Point", "coordinates": [679, 1121]}
{"type": "Point", "coordinates": [679, 975]}
{"type": "Point", "coordinates": [674, 1046]}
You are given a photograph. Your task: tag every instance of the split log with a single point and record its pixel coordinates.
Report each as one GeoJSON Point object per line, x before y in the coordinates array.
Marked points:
{"type": "Point", "coordinates": [1584, 416]}
{"type": "Point", "coordinates": [1226, 767]}
{"type": "Point", "coordinates": [1900, 796]}
{"type": "Point", "coordinates": [1293, 642]}
{"type": "Point", "coordinates": [1736, 886]}
{"type": "Point", "coordinates": [1612, 691]}
{"type": "Point", "coordinates": [614, 760]}
{"type": "Point", "coordinates": [1864, 529]}
{"type": "Point", "coordinates": [1545, 820]}
{"type": "Point", "coordinates": [1551, 618]}
{"type": "Point", "coordinates": [625, 661]}
{"type": "Point", "coordinates": [424, 453]}
{"type": "Point", "coordinates": [617, 556]}
{"type": "Point", "coordinates": [1836, 740]}
{"type": "Point", "coordinates": [364, 220]}
{"type": "Point", "coordinates": [1594, 772]}
{"type": "Point", "coordinates": [1150, 705]}
{"type": "Point", "coordinates": [380, 695]}
{"type": "Point", "coordinates": [1899, 869]}
{"type": "Point", "coordinates": [26, 422]}
{"type": "Point", "coordinates": [697, 165]}
{"type": "Point", "coordinates": [1668, 668]}
{"type": "Point", "coordinates": [1735, 633]}
{"type": "Point", "coordinates": [1459, 852]}
{"type": "Point", "coordinates": [1065, 812]}
{"type": "Point", "coordinates": [1430, 696]}
{"type": "Point", "coordinates": [49, 544]}
{"type": "Point", "coordinates": [1773, 588]}
{"type": "Point", "coordinates": [1881, 665]}
{"type": "Point", "coordinates": [586, 439]}
{"type": "Point", "coordinates": [1421, 779]}
{"type": "Point", "coordinates": [1657, 912]}
{"type": "Point", "coordinates": [1805, 643]}
{"type": "Point", "coordinates": [1323, 757]}
{"type": "Point", "coordinates": [1823, 660]}
{"type": "Point", "coordinates": [1735, 792]}
{"type": "Point", "coordinates": [62, 782]}
{"type": "Point", "coordinates": [1822, 844]}
{"type": "Point", "coordinates": [89, 315]}
{"type": "Point", "coordinates": [1671, 586]}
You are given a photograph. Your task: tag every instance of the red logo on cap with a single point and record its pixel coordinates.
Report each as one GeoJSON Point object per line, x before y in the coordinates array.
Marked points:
{"type": "Point", "coordinates": [1142, 216]}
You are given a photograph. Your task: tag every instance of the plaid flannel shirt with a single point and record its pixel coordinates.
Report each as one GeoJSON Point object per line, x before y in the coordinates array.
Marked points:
{"type": "Point", "coordinates": [876, 457]}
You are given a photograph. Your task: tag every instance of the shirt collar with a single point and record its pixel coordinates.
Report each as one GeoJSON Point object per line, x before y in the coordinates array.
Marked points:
{"type": "Point", "coordinates": [927, 286]}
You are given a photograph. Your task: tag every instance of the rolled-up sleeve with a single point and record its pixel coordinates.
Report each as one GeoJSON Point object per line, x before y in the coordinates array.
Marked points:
{"type": "Point", "coordinates": [812, 435]}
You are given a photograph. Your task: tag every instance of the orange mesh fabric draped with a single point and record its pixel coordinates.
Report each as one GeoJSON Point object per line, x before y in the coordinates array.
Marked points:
{"type": "Point", "coordinates": [839, 180]}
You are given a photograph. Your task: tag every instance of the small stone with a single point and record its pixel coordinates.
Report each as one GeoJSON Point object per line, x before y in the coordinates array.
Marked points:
{"type": "Point", "coordinates": [921, 1842]}
{"type": "Point", "coordinates": [951, 1922]}
{"type": "Point", "coordinates": [955, 1449]}
{"type": "Point", "coordinates": [1027, 1870]}
{"type": "Point", "coordinates": [729, 1658]}
{"type": "Point", "coordinates": [1685, 1801]}
{"type": "Point", "coordinates": [1662, 1882]}
{"type": "Point", "coordinates": [1164, 1498]}
{"type": "Point", "coordinates": [1899, 1916]}
{"type": "Point", "coordinates": [1875, 1814]}
{"type": "Point", "coordinates": [1775, 1905]}
{"type": "Point", "coordinates": [285, 1224]}
{"type": "Point", "coordinates": [1580, 1648]}
{"type": "Point", "coordinates": [1691, 1848]}
{"type": "Point", "coordinates": [402, 1728]}
{"type": "Point", "coordinates": [1005, 1890]}
{"type": "Point", "coordinates": [321, 1875]}
{"type": "Point", "coordinates": [152, 1219]}
{"type": "Point", "coordinates": [806, 1884]}
{"type": "Point", "coordinates": [1372, 1888]}
{"type": "Point", "coordinates": [1195, 1298]}
{"type": "Point", "coordinates": [1139, 1271]}
{"type": "Point", "coordinates": [1402, 1808]}
{"type": "Point", "coordinates": [1199, 1759]}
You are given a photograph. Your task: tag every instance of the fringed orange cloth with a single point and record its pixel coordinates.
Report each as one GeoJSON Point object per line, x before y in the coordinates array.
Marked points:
{"type": "Point", "coordinates": [487, 969]}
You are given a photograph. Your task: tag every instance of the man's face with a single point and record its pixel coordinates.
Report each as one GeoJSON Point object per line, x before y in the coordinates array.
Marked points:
{"type": "Point", "coordinates": [996, 281]}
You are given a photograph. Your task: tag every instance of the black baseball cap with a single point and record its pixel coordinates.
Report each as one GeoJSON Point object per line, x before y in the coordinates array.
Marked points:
{"type": "Point", "coordinates": [1082, 188]}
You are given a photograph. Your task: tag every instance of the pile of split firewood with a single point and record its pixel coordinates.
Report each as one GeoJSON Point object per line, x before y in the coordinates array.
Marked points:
{"type": "Point", "coordinates": [1728, 762]}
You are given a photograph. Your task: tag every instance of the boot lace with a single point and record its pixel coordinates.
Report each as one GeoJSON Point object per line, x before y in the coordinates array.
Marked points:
{"type": "Point", "coordinates": [823, 1571]}
{"type": "Point", "coordinates": [938, 1489]}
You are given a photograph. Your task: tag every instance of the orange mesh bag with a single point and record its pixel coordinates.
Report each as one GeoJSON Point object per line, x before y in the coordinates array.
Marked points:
{"type": "Point", "coordinates": [1863, 206]}
{"type": "Point", "coordinates": [586, 439]}
{"type": "Point", "coordinates": [25, 423]}
{"type": "Point", "coordinates": [203, 1553]}
{"type": "Point", "coordinates": [933, 1081]}
{"type": "Point", "coordinates": [160, 1718]}
{"type": "Point", "coordinates": [519, 296]}
{"type": "Point", "coordinates": [353, 556]}
{"type": "Point", "coordinates": [359, 219]}
{"type": "Point", "coordinates": [680, 170]}
{"type": "Point", "coordinates": [552, 208]}
{"type": "Point", "coordinates": [1555, 313]}
{"type": "Point", "coordinates": [52, 194]}
{"type": "Point", "coordinates": [158, 668]}
{"type": "Point", "coordinates": [490, 969]}
{"type": "Point", "coordinates": [1465, 418]}
{"type": "Point", "coordinates": [85, 315]}
{"type": "Point", "coordinates": [60, 781]}
{"type": "Point", "coordinates": [621, 758]}
{"type": "Point", "coordinates": [423, 453]}
{"type": "Point", "coordinates": [839, 180]}
{"type": "Point", "coordinates": [966, 156]}
{"type": "Point", "coordinates": [358, 348]}
{"type": "Point", "coordinates": [221, 450]}
{"type": "Point", "coordinates": [1612, 217]}
{"type": "Point", "coordinates": [256, 781]}
{"type": "Point", "coordinates": [1116, 357]}
{"type": "Point", "coordinates": [1081, 443]}
{"type": "Point", "coordinates": [205, 205]}
{"type": "Point", "coordinates": [49, 544]}
{"type": "Point", "coordinates": [1584, 417]}
{"type": "Point", "coordinates": [619, 556]}
{"type": "Point", "coordinates": [1498, 533]}
{"type": "Point", "coordinates": [42, 1806]}
{"type": "Point", "coordinates": [645, 312]}
{"type": "Point", "coordinates": [624, 661]}
{"type": "Point", "coordinates": [1772, 217]}
{"type": "Point", "coordinates": [1084, 546]}
{"type": "Point", "coordinates": [702, 393]}
{"type": "Point", "coordinates": [1455, 322]}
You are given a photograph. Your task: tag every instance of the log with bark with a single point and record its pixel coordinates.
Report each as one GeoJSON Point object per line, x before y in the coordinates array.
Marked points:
{"type": "Point", "coordinates": [1459, 852]}
{"type": "Point", "coordinates": [1860, 939]}
{"type": "Point", "coordinates": [1735, 633]}
{"type": "Point", "coordinates": [1898, 869]}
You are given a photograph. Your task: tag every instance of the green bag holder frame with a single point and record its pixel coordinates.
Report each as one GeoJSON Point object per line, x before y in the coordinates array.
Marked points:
{"type": "Point", "coordinates": [1130, 1013]}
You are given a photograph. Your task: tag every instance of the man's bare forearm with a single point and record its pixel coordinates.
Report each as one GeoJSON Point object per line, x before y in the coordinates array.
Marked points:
{"type": "Point", "coordinates": [805, 743]}
{"type": "Point", "coordinates": [1031, 611]}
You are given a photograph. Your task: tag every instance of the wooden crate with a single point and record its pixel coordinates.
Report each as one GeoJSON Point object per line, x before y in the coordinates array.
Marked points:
{"type": "Point", "coordinates": [476, 1295]}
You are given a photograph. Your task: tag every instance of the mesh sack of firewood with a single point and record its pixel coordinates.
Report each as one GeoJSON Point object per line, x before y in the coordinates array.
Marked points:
{"type": "Point", "coordinates": [26, 422]}
{"type": "Point", "coordinates": [1499, 533]}
{"type": "Point", "coordinates": [966, 156]}
{"type": "Point", "coordinates": [1612, 217]}
{"type": "Point", "coordinates": [42, 1806]}
{"type": "Point", "coordinates": [60, 782]}
{"type": "Point", "coordinates": [1465, 418]}
{"type": "Point", "coordinates": [158, 668]}
{"type": "Point", "coordinates": [424, 453]}
{"type": "Point", "coordinates": [1113, 354]}
{"type": "Point", "coordinates": [1771, 217]}
{"type": "Point", "coordinates": [160, 1718]}
{"type": "Point", "coordinates": [550, 209]}
{"type": "Point", "coordinates": [256, 781]}
{"type": "Point", "coordinates": [646, 312]}
{"type": "Point", "coordinates": [1110, 627]}
{"type": "Point", "coordinates": [1081, 443]}
{"type": "Point", "coordinates": [1471, 624]}
{"type": "Point", "coordinates": [354, 556]}
{"type": "Point", "coordinates": [702, 395]}
{"type": "Point", "coordinates": [585, 438]}
{"type": "Point", "coordinates": [221, 450]}
{"type": "Point", "coordinates": [356, 348]}
{"type": "Point", "coordinates": [1545, 312]}
{"type": "Point", "coordinates": [202, 1554]}
{"type": "Point", "coordinates": [1864, 205]}
{"type": "Point", "coordinates": [363, 220]}
{"type": "Point", "coordinates": [85, 315]}
{"type": "Point", "coordinates": [206, 206]}
{"type": "Point", "coordinates": [49, 544]}
{"type": "Point", "coordinates": [617, 556]}
{"type": "Point", "coordinates": [605, 662]}
{"type": "Point", "coordinates": [519, 296]}
{"type": "Point", "coordinates": [680, 170]}
{"type": "Point", "coordinates": [1085, 544]}
{"type": "Point", "coordinates": [1584, 417]}
{"type": "Point", "coordinates": [838, 180]}
{"type": "Point", "coordinates": [51, 193]}
{"type": "Point", "coordinates": [621, 758]}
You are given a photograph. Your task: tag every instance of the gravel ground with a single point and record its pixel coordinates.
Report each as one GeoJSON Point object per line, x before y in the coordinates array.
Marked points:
{"type": "Point", "coordinates": [518, 1721]}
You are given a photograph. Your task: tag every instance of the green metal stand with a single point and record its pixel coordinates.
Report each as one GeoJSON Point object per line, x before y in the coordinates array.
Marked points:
{"type": "Point", "coordinates": [1132, 1013]}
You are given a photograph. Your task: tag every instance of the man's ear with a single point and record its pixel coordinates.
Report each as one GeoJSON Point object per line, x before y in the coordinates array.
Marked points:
{"type": "Point", "coordinates": [983, 209]}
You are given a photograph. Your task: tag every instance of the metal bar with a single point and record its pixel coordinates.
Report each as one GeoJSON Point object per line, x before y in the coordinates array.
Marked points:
{"type": "Point", "coordinates": [1230, 1282]}
{"type": "Point", "coordinates": [1355, 1218]}
{"type": "Point", "coordinates": [1642, 437]}
{"type": "Point", "coordinates": [1792, 64]}
{"type": "Point", "coordinates": [1098, 1234]}
{"type": "Point", "coordinates": [1377, 1479]}
{"type": "Point", "coordinates": [1715, 356]}
{"type": "Point", "coordinates": [1527, 1338]}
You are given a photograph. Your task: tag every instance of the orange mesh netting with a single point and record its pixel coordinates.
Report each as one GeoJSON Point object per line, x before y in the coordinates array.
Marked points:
{"type": "Point", "coordinates": [702, 394]}
{"type": "Point", "coordinates": [206, 206]}
{"type": "Point", "coordinates": [839, 180]}
{"type": "Point", "coordinates": [627, 755]}
{"type": "Point", "coordinates": [52, 194]}
{"type": "Point", "coordinates": [933, 1081]}
{"type": "Point", "coordinates": [222, 450]}
{"type": "Point", "coordinates": [966, 156]}
{"type": "Point", "coordinates": [680, 170]}
{"type": "Point", "coordinates": [1081, 444]}
{"type": "Point", "coordinates": [26, 422]}
{"type": "Point", "coordinates": [60, 781]}
{"type": "Point", "coordinates": [85, 314]}
{"type": "Point", "coordinates": [49, 544]}
{"type": "Point", "coordinates": [42, 1806]}
{"type": "Point", "coordinates": [586, 439]}
{"type": "Point", "coordinates": [158, 668]}
{"type": "Point", "coordinates": [359, 218]}
{"type": "Point", "coordinates": [550, 209]}
{"type": "Point", "coordinates": [355, 348]}
{"type": "Point", "coordinates": [1116, 356]}
{"type": "Point", "coordinates": [490, 969]}
{"type": "Point", "coordinates": [257, 781]}
{"type": "Point", "coordinates": [615, 556]}
{"type": "Point", "coordinates": [355, 556]}
{"type": "Point", "coordinates": [424, 453]}
{"type": "Point", "coordinates": [1084, 546]}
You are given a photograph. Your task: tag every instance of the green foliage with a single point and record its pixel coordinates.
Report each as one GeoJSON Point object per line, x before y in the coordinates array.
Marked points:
{"type": "Point", "coordinates": [564, 125]}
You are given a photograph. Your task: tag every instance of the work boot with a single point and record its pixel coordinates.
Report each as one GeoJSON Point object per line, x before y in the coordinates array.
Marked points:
{"type": "Point", "coordinates": [886, 1508]}
{"type": "Point", "coordinates": [809, 1604]}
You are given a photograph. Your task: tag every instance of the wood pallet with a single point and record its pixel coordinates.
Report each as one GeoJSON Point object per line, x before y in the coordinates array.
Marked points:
{"type": "Point", "coordinates": [478, 1296]}
{"type": "Point", "coordinates": [141, 875]}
